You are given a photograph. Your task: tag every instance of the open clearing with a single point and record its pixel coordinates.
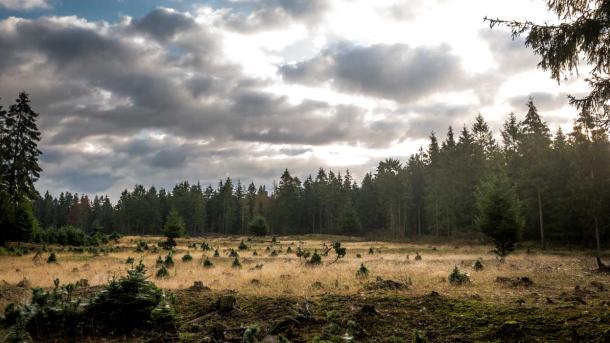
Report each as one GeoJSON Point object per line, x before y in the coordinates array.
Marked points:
{"type": "Point", "coordinates": [565, 301]}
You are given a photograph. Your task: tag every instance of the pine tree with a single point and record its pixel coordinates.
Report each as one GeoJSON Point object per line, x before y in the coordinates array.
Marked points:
{"type": "Point", "coordinates": [174, 227]}
{"type": "Point", "coordinates": [258, 226]}
{"type": "Point", "coordinates": [20, 150]}
{"type": "Point", "coordinates": [534, 149]}
{"type": "Point", "coordinates": [4, 151]}
{"type": "Point", "coordinates": [350, 223]}
{"type": "Point", "coordinates": [499, 215]}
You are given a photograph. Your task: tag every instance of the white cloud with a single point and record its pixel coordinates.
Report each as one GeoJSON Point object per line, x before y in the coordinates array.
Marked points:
{"type": "Point", "coordinates": [23, 5]}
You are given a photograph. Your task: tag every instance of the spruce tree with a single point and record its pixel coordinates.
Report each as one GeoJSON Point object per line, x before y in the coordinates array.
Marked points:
{"type": "Point", "coordinates": [4, 155]}
{"type": "Point", "coordinates": [20, 150]}
{"type": "Point", "coordinates": [533, 164]}
{"type": "Point", "coordinates": [499, 215]}
{"type": "Point", "coordinates": [174, 227]}
{"type": "Point", "coordinates": [19, 169]}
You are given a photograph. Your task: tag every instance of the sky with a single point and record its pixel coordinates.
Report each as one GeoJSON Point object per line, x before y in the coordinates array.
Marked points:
{"type": "Point", "coordinates": [154, 92]}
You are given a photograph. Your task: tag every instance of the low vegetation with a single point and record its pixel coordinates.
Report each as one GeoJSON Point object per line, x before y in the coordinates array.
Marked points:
{"type": "Point", "coordinates": [343, 295]}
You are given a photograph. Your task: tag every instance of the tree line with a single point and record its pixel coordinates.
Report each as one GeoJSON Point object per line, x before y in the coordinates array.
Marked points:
{"type": "Point", "coordinates": [561, 182]}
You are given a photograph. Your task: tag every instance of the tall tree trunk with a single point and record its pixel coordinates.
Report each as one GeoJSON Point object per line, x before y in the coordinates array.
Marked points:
{"type": "Point", "coordinates": [392, 228]}
{"type": "Point", "coordinates": [597, 241]}
{"type": "Point", "coordinates": [541, 220]}
{"type": "Point", "coordinates": [436, 217]}
{"type": "Point", "coordinates": [595, 220]}
{"type": "Point", "coordinates": [398, 224]}
{"type": "Point", "coordinates": [419, 220]}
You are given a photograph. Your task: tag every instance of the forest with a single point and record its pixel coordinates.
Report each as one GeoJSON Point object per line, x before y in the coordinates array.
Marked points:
{"type": "Point", "coordinates": [561, 180]}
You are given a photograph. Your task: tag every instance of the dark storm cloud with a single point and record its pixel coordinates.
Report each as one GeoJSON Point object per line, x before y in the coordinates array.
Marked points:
{"type": "Point", "coordinates": [259, 15]}
{"type": "Point", "coordinates": [396, 72]}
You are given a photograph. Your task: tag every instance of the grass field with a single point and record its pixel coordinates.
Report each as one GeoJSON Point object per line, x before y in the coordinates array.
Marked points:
{"type": "Point", "coordinates": [552, 272]}
{"type": "Point", "coordinates": [561, 279]}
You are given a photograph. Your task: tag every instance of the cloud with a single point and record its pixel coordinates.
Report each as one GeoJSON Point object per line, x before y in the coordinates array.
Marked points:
{"type": "Point", "coordinates": [543, 101]}
{"type": "Point", "coordinates": [396, 72]}
{"type": "Point", "coordinates": [511, 55]}
{"type": "Point", "coordinates": [107, 92]}
{"type": "Point", "coordinates": [169, 158]}
{"type": "Point", "coordinates": [168, 97]}
{"type": "Point", "coordinates": [259, 15]}
{"type": "Point", "coordinates": [24, 5]}
{"type": "Point", "coordinates": [163, 23]}
{"type": "Point", "coordinates": [86, 181]}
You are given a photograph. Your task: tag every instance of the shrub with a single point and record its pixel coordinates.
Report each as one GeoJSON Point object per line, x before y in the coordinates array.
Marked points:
{"type": "Point", "coordinates": [358, 256]}
{"type": "Point", "coordinates": [273, 253]}
{"type": "Point", "coordinates": [254, 253]}
{"type": "Point", "coordinates": [207, 263]}
{"type": "Point", "coordinates": [315, 260]}
{"type": "Point", "coordinates": [250, 334]}
{"type": "Point", "coordinates": [478, 265]}
{"type": "Point", "coordinates": [169, 261]}
{"type": "Point", "coordinates": [216, 253]}
{"type": "Point", "coordinates": [52, 258]}
{"type": "Point", "coordinates": [129, 303]}
{"type": "Point", "coordinates": [66, 235]}
{"type": "Point", "coordinates": [273, 239]}
{"type": "Point", "coordinates": [371, 251]}
{"type": "Point", "coordinates": [12, 314]}
{"type": "Point", "coordinates": [129, 260]}
{"type": "Point", "coordinates": [339, 250]}
{"type": "Point", "coordinates": [299, 252]}
{"type": "Point", "coordinates": [258, 226]}
{"type": "Point", "coordinates": [115, 236]}
{"type": "Point", "coordinates": [233, 253]}
{"type": "Point", "coordinates": [141, 246]}
{"type": "Point", "coordinates": [205, 246]}
{"type": "Point", "coordinates": [236, 263]}
{"type": "Point", "coordinates": [289, 250]}
{"type": "Point", "coordinates": [53, 313]}
{"type": "Point", "coordinates": [419, 337]}
{"type": "Point", "coordinates": [242, 246]}
{"type": "Point", "coordinates": [362, 271]}
{"type": "Point", "coordinates": [187, 257]}
{"type": "Point", "coordinates": [458, 278]}
{"type": "Point", "coordinates": [159, 261]}
{"type": "Point", "coordinates": [417, 256]}
{"type": "Point", "coordinates": [162, 272]}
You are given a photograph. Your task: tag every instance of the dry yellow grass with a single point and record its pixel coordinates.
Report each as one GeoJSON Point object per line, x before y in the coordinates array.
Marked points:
{"type": "Point", "coordinates": [552, 273]}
